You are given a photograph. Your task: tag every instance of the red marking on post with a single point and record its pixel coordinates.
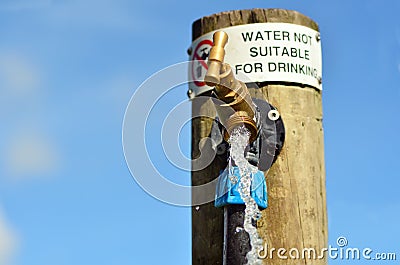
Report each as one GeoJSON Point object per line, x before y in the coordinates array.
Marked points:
{"type": "Point", "coordinates": [197, 58]}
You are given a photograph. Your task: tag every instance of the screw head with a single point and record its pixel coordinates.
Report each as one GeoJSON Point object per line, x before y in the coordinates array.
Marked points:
{"type": "Point", "coordinates": [189, 51]}
{"type": "Point", "coordinates": [318, 36]}
{"type": "Point", "coordinates": [273, 115]}
{"type": "Point", "coordinates": [190, 93]}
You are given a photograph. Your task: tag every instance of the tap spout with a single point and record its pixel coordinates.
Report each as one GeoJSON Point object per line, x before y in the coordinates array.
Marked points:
{"type": "Point", "coordinates": [235, 106]}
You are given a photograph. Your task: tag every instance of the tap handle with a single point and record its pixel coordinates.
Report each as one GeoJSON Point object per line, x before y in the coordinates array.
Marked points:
{"type": "Point", "coordinates": [217, 53]}
{"type": "Point", "coordinates": [216, 58]}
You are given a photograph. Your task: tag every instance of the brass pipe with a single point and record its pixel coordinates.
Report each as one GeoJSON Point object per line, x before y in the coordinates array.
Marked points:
{"type": "Point", "coordinates": [237, 107]}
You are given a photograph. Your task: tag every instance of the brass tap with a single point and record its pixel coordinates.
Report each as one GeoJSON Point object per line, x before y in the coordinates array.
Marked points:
{"type": "Point", "coordinates": [237, 107]}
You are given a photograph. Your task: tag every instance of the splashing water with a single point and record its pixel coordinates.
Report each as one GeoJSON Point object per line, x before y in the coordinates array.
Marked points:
{"type": "Point", "coordinates": [239, 140]}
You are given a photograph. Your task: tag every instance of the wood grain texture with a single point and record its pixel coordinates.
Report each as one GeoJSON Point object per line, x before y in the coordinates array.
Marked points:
{"type": "Point", "coordinates": [207, 221]}
{"type": "Point", "coordinates": [296, 216]}
{"type": "Point", "coordinates": [241, 17]}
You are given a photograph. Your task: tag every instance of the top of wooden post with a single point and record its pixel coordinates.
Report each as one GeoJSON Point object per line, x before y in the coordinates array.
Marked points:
{"type": "Point", "coordinates": [242, 17]}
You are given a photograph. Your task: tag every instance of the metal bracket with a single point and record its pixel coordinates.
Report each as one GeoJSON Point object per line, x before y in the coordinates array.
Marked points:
{"type": "Point", "coordinates": [270, 139]}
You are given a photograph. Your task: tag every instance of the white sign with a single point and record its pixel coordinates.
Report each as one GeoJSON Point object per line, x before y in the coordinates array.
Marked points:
{"type": "Point", "coordinates": [262, 52]}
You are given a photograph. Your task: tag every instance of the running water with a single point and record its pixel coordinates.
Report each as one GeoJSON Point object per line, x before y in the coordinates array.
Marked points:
{"type": "Point", "coordinates": [239, 140]}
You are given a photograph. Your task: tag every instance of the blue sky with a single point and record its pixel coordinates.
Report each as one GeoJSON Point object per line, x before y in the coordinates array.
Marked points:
{"type": "Point", "coordinates": [67, 72]}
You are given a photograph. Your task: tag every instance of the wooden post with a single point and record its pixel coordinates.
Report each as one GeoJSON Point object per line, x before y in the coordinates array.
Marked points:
{"type": "Point", "coordinates": [296, 215]}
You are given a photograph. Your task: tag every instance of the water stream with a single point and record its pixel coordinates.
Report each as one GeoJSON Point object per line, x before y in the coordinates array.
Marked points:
{"type": "Point", "coordinates": [239, 140]}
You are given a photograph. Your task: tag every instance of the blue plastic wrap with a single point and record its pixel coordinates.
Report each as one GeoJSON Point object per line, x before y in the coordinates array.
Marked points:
{"type": "Point", "coordinates": [228, 193]}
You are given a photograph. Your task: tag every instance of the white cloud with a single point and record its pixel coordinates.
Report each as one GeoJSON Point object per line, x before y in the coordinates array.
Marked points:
{"type": "Point", "coordinates": [30, 155]}
{"type": "Point", "coordinates": [8, 241]}
{"type": "Point", "coordinates": [28, 152]}
{"type": "Point", "coordinates": [21, 90]}
{"type": "Point", "coordinates": [18, 76]}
